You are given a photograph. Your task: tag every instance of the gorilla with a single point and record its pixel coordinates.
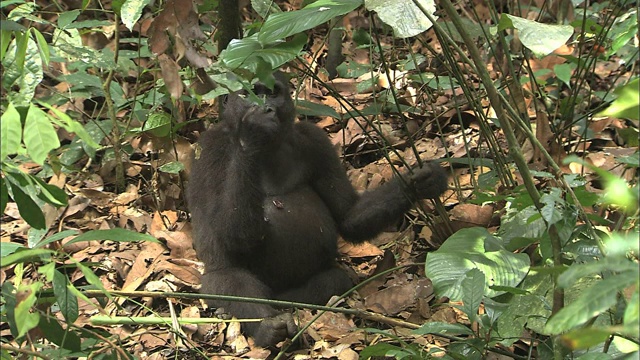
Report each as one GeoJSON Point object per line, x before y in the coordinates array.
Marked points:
{"type": "Point", "coordinates": [268, 197]}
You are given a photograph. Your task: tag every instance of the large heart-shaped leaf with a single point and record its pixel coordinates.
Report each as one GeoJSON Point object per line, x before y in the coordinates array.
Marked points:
{"type": "Point", "coordinates": [474, 248]}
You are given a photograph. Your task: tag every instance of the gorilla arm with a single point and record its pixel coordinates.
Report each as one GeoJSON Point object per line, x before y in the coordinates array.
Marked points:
{"type": "Point", "coordinates": [361, 217]}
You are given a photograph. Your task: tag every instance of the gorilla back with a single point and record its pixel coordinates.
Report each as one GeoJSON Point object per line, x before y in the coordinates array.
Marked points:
{"type": "Point", "coordinates": [268, 199]}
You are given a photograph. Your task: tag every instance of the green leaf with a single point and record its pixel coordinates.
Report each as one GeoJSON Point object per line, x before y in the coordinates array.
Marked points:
{"type": "Point", "coordinates": [4, 195]}
{"type": "Point", "coordinates": [265, 7]}
{"type": "Point", "coordinates": [117, 234]}
{"type": "Point", "coordinates": [246, 53]}
{"type": "Point", "coordinates": [282, 25]}
{"type": "Point", "coordinates": [474, 248]}
{"type": "Point", "coordinates": [70, 125]}
{"type": "Point", "coordinates": [472, 292]}
{"type": "Point", "coordinates": [48, 270]}
{"type": "Point", "coordinates": [405, 18]}
{"type": "Point", "coordinates": [92, 279]}
{"type": "Point", "coordinates": [158, 124]}
{"type": "Point", "coordinates": [173, 167]}
{"type": "Point", "coordinates": [10, 132]}
{"type": "Point", "coordinates": [36, 188]}
{"type": "Point", "coordinates": [50, 193]}
{"type": "Point", "coordinates": [22, 70]}
{"type": "Point", "coordinates": [29, 210]}
{"type": "Point", "coordinates": [592, 302]}
{"type": "Point", "coordinates": [39, 135]}
{"type": "Point", "coordinates": [308, 108]}
{"type": "Point", "coordinates": [564, 72]}
{"type": "Point", "coordinates": [53, 332]}
{"type": "Point", "coordinates": [55, 237]}
{"type": "Point", "coordinates": [8, 248]}
{"type": "Point", "coordinates": [627, 103]}
{"type": "Point", "coordinates": [610, 263]}
{"type": "Point", "coordinates": [131, 10]}
{"type": "Point", "coordinates": [24, 255]}
{"type": "Point", "coordinates": [43, 47]}
{"type": "Point", "coordinates": [437, 327]}
{"type": "Point", "coordinates": [66, 301]}
{"type": "Point", "coordinates": [67, 17]}
{"type": "Point", "coordinates": [24, 317]}
{"type": "Point", "coordinates": [541, 39]}
{"type": "Point", "coordinates": [631, 314]}
{"type": "Point", "coordinates": [585, 338]}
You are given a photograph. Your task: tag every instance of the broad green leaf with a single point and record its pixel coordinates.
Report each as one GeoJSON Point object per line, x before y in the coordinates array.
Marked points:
{"type": "Point", "coordinates": [610, 263]}
{"type": "Point", "coordinates": [386, 351]}
{"type": "Point", "coordinates": [80, 295]}
{"type": "Point", "coordinates": [631, 314]}
{"type": "Point", "coordinates": [265, 7]}
{"type": "Point", "coordinates": [8, 248]}
{"type": "Point", "coordinates": [34, 236]}
{"type": "Point", "coordinates": [48, 270]}
{"type": "Point", "coordinates": [22, 70]}
{"type": "Point", "coordinates": [474, 248]}
{"type": "Point", "coordinates": [29, 210]}
{"type": "Point", "coordinates": [131, 10]}
{"type": "Point", "coordinates": [246, 53]}
{"type": "Point", "coordinates": [55, 237]}
{"type": "Point", "coordinates": [309, 108]}
{"type": "Point", "coordinates": [24, 255]}
{"type": "Point", "coordinates": [25, 319]}
{"type": "Point", "coordinates": [443, 328]}
{"type": "Point", "coordinates": [43, 47]}
{"type": "Point", "coordinates": [531, 309]}
{"type": "Point", "coordinates": [585, 338]}
{"type": "Point", "coordinates": [67, 17]}
{"type": "Point", "coordinates": [4, 195]}
{"type": "Point", "coordinates": [50, 193]}
{"type": "Point", "coordinates": [472, 292]}
{"type": "Point", "coordinates": [71, 125]}
{"type": "Point", "coordinates": [22, 42]}
{"type": "Point", "coordinates": [158, 124]}
{"type": "Point", "coordinates": [39, 135]}
{"type": "Point", "coordinates": [541, 39]}
{"type": "Point", "coordinates": [92, 279]}
{"type": "Point", "coordinates": [173, 167]}
{"type": "Point", "coordinates": [405, 18]}
{"type": "Point", "coordinates": [5, 38]}
{"type": "Point", "coordinates": [117, 234]}
{"type": "Point", "coordinates": [592, 302]}
{"type": "Point", "coordinates": [627, 103]}
{"type": "Point", "coordinates": [67, 302]}
{"type": "Point", "coordinates": [36, 188]}
{"type": "Point", "coordinates": [65, 338]}
{"type": "Point", "coordinates": [551, 209]}
{"type": "Point", "coordinates": [91, 24]}
{"type": "Point", "coordinates": [69, 44]}
{"type": "Point", "coordinates": [9, 299]}
{"type": "Point", "coordinates": [564, 72]}
{"type": "Point", "coordinates": [283, 25]}
{"type": "Point", "coordinates": [10, 132]}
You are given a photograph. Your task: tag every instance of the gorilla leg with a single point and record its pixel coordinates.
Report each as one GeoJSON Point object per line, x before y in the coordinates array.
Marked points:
{"type": "Point", "coordinates": [320, 288]}
{"type": "Point", "coordinates": [276, 327]}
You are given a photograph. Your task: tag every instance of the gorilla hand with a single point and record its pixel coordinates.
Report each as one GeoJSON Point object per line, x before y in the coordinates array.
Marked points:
{"type": "Point", "coordinates": [429, 181]}
{"type": "Point", "coordinates": [274, 329]}
{"type": "Point", "coordinates": [258, 127]}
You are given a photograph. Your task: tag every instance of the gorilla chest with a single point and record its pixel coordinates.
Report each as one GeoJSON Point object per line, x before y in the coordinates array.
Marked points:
{"type": "Point", "coordinates": [294, 212]}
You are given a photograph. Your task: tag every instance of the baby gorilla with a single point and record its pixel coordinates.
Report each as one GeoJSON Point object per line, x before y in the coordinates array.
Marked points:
{"type": "Point", "coordinates": [268, 198]}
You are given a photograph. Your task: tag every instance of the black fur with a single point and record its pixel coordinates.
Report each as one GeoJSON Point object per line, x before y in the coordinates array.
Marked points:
{"type": "Point", "coordinates": [268, 198]}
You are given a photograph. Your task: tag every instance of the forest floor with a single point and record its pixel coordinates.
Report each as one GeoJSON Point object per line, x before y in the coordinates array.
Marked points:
{"type": "Point", "coordinates": [399, 302]}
